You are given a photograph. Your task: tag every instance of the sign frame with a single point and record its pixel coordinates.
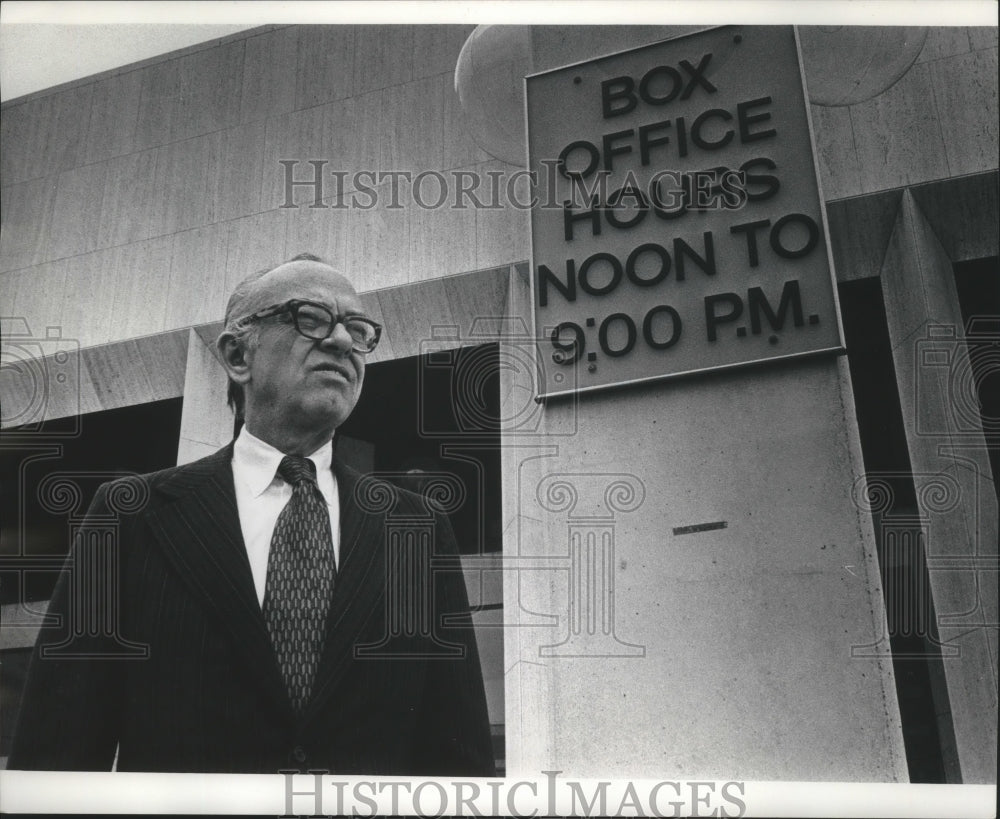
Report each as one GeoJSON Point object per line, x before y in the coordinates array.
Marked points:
{"type": "Point", "coordinates": [838, 349]}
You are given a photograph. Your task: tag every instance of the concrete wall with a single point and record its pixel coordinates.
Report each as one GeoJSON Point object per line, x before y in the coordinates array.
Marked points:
{"type": "Point", "coordinates": [938, 121]}
{"type": "Point", "coordinates": [728, 653]}
{"type": "Point", "coordinates": [146, 194]}
{"type": "Point", "coordinates": [747, 630]}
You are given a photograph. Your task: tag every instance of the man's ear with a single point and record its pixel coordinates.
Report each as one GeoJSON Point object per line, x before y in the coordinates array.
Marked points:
{"type": "Point", "coordinates": [234, 357]}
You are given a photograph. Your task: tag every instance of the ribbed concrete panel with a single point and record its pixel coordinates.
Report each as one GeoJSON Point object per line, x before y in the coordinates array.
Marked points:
{"type": "Point", "coordinates": [76, 215]}
{"type": "Point", "coordinates": [944, 42]}
{"type": "Point", "coordinates": [129, 198]}
{"type": "Point", "coordinates": [141, 275]}
{"type": "Point", "coordinates": [898, 134]}
{"type": "Point", "coordinates": [269, 74]}
{"type": "Point", "coordinates": [919, 129]}
{"type": "Point", "coordinates": [964, 214]}
{"type": "Point", "coordinates": [83, 317]}
{"type": "Point", "coordinates": [210, 86]}
{"type": "Point", "coordinates": [982, 37]}
{"type": "Point", "coordinates": [836, 154]}
{"type": "Point", "coordinates": [26, 223]}
{"type": "Point", "coordinates": [969, 131]}
{"type": "Point", "coordinates": [502, 226]}
{"type": "Point", "coordinates": [378, 243]}
{"type": "Point", "coordinates": [253, 243]}
{"type": "Point", "coordinates": [197, 258]}
{"type": "Point", "coordinates": [325, 65]}
{"type": "Point", "coordinates": [114, 114]}
{"type": "Point", "coordinates": [99, 378]}
{"type": "Point", "coordinates": [148, 369]}
{"type": "Point", "coordinates": [441, 237]}
{"type": "Point", "coordinates": [859, 233]}
{"type": "Point", "coordinates": [158, 103]}
{"type": "Point", "coordinates": [414, 108]}
{"type": "Point", "coordinates": [436, 48]}
{"type": "Point", "coordinates": [383, 56]}
{"type": "Point", "coordinates": [236, 186]}
{"type": "Point", "coordinates": [320, 231]}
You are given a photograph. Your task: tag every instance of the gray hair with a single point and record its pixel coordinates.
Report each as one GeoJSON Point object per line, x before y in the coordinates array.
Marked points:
{"type": "Point", "coordinates": [246, 333]}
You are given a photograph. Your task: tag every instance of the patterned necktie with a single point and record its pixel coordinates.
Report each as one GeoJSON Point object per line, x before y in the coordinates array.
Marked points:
{"type": "Point", "coordinates": [300, 577]}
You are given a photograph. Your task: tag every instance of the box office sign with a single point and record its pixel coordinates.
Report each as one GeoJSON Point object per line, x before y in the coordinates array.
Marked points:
{"type": "Point", "coordinates": [682, 228]}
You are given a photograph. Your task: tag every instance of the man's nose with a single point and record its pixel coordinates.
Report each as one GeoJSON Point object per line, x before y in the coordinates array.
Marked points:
{"type": "Point", "coordinates": [339, 339]}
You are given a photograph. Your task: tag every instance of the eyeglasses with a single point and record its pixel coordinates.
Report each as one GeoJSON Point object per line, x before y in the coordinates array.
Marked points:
{"type": "Point", "coordinates": [317, 322]}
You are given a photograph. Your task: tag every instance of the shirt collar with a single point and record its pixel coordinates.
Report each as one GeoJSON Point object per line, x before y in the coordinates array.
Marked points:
{"type": "Point", "coordinates": [258, 461]}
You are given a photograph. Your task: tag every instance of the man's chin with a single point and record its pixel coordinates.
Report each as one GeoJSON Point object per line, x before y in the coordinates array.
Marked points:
{"type": "Point", "coordinates": [326, 412]}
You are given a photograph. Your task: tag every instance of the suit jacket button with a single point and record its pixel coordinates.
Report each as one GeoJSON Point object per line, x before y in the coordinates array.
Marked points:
{"type": "Point", "coordinates": [299, 754]}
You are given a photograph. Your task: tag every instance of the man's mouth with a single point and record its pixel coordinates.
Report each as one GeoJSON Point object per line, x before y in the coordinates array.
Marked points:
{"type": "Point", "coordinates": [340, 369]}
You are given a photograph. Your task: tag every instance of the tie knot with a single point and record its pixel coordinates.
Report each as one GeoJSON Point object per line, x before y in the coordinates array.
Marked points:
{"type": "Point", "coordinates": [294, 469]}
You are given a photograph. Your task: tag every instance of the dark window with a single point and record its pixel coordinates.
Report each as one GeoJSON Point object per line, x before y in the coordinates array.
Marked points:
{"type": "Point", "coordinates": [439, 413]}
{"type": "Point", "coordinates": [13, 670]}
{"type": "Point", "coordinates": [97, 447]}
{"type": "Point", "coordinates": [978, 284]}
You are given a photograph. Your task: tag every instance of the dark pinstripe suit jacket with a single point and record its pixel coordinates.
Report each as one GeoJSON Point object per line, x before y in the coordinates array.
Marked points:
{"type": "Point", "coordinates": [389, 698]}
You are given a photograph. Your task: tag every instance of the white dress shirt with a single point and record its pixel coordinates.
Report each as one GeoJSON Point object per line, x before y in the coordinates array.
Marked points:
{"type": "Point", "coordinates": [261, 494]}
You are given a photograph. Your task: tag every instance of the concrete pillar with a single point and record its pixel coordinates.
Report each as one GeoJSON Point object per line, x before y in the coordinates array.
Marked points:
{"type": "Point", "coordinates": [952, 477]}
{"type": "Point", "coordinates": [206, 421]}
{"type": "Point", "coordinates": [744, 575]}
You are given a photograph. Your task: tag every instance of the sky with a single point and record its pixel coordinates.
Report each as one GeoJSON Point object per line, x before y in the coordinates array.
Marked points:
{"type": "Point", "coordinates": [43, 44]}
{"type": "Point", "coordinates": [34, 56]}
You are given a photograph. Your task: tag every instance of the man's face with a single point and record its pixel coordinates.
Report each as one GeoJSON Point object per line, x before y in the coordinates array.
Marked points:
{"type": "Point", "coordinates": [298, 382]}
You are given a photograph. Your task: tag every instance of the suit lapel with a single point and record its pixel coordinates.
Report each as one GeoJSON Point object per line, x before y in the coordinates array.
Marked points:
{"type": "Point", "coordinates": [199, 530]}
{"type": "Point", "coordinates": [360, 586]}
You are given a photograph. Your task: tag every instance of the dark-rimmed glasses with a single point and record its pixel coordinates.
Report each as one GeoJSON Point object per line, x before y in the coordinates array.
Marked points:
{"type": "Point", "coordinates": [317, 322]}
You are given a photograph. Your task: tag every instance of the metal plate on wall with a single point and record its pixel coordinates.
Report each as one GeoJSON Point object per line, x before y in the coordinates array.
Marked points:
{"type": "Point", "coordinates": [678, 223]}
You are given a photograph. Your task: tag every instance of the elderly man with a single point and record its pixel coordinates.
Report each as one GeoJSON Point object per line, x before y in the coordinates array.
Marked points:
{"type": "Point", "coordinates": [264, 619]}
